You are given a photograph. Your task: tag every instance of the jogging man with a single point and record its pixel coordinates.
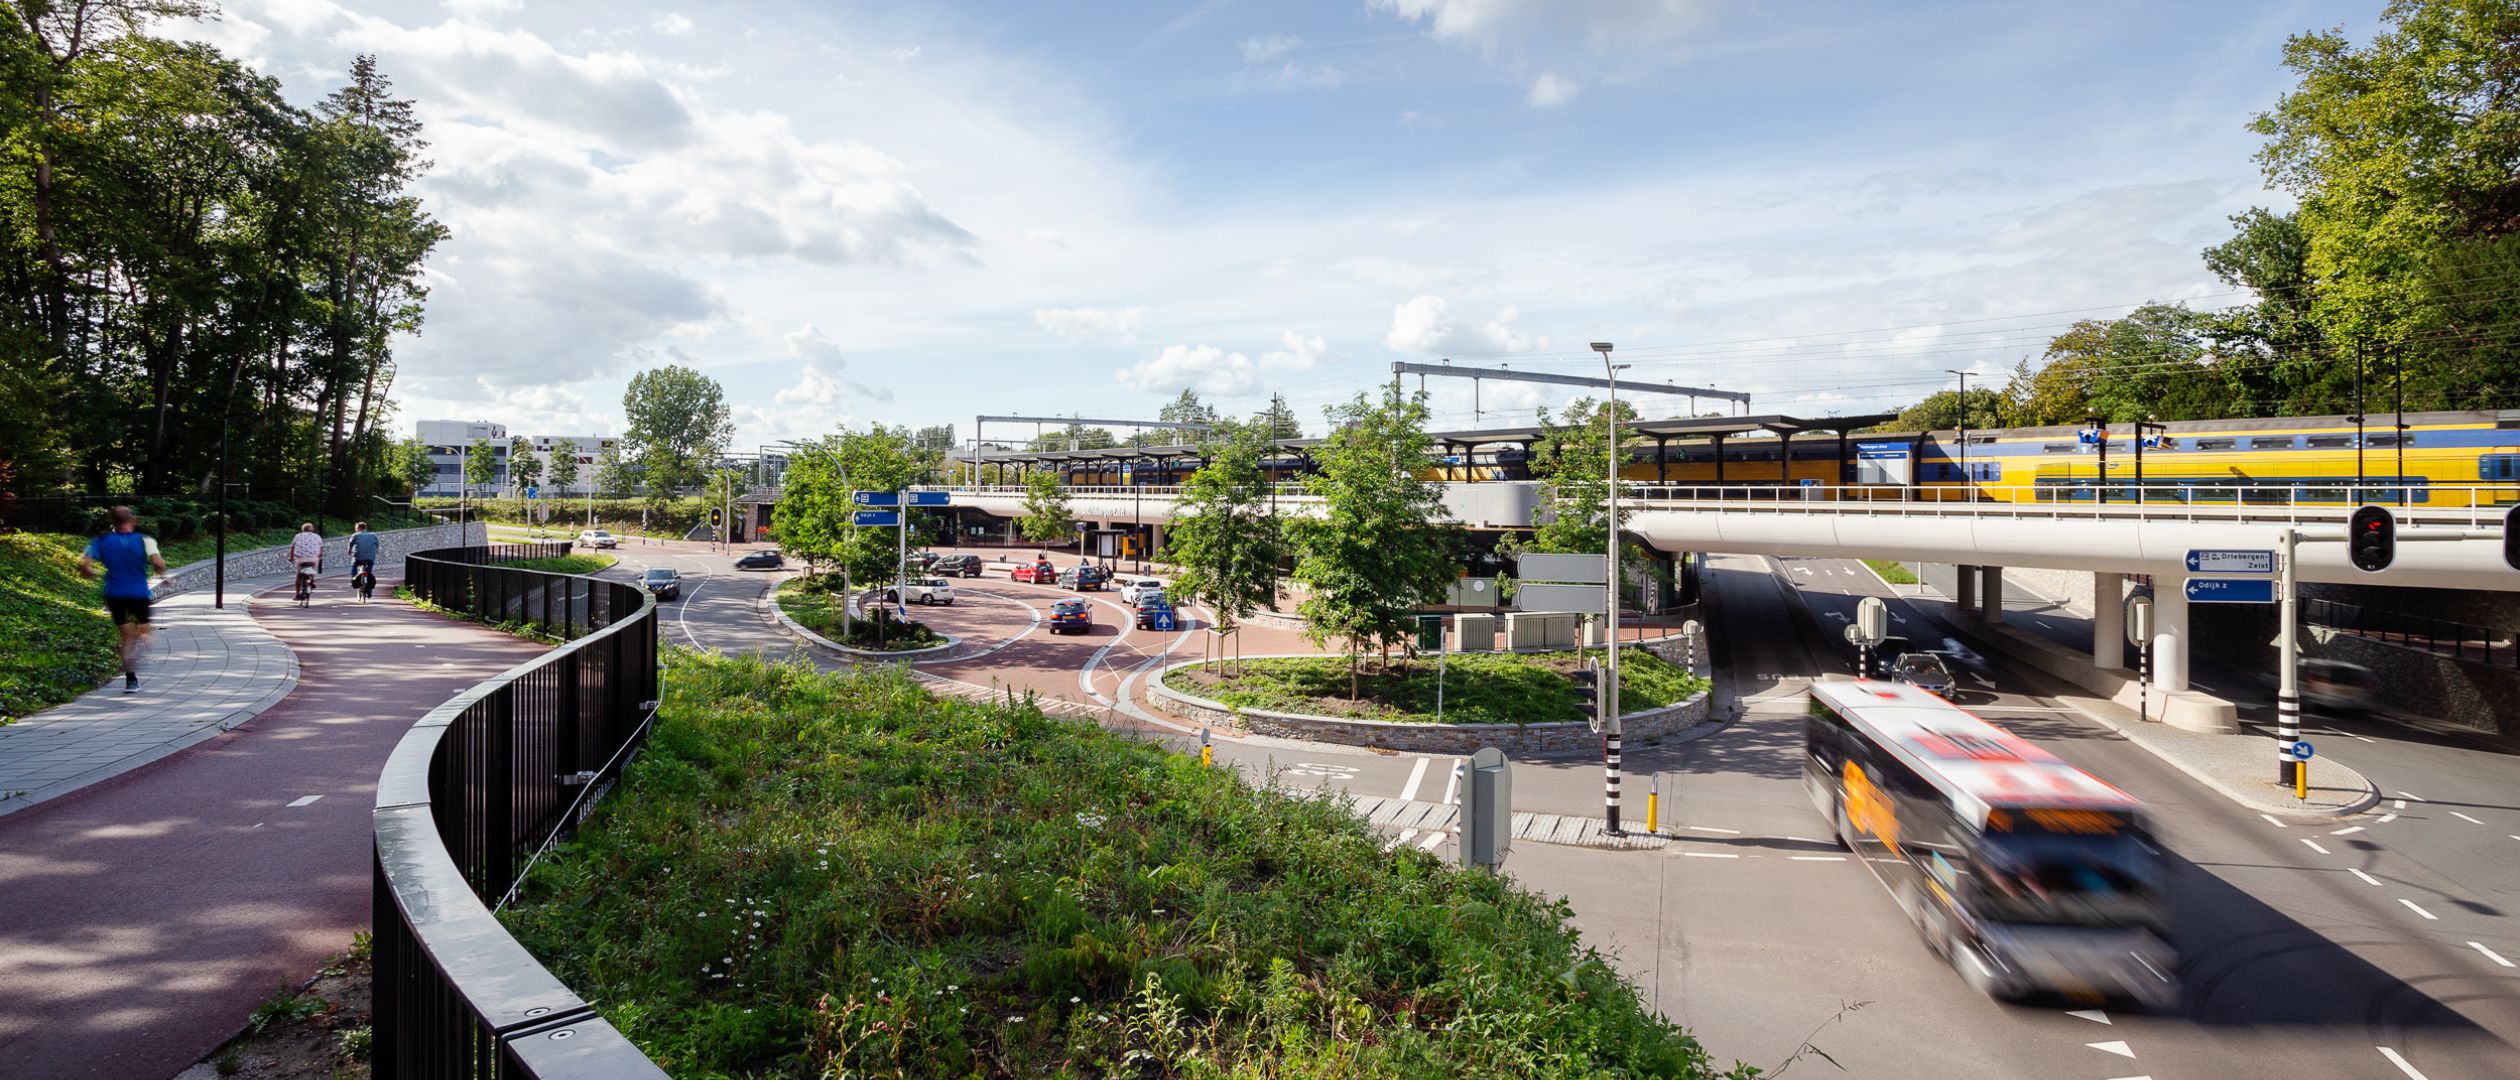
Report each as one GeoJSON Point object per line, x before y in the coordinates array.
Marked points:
{"type": "Point", "coordinates": [126, 556]}
{"type": "Point", "coordinates": [306, 550]}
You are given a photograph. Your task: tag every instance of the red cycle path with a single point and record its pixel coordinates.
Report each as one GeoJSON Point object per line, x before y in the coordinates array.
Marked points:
{"type": "Point", "coordinates": [143, 918]}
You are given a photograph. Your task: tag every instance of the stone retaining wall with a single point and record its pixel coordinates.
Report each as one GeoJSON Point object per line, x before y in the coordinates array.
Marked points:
{"type": "Point", "coordinates": [1518, 740]}
{"type": "Point", "coordinates": [273, 562]}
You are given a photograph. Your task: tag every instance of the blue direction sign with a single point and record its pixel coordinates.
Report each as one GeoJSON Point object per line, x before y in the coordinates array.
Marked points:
{"type": "Point", "coordinates": [875, 498]}
{"type": "Point", "coordinates": [871, 518]}
{"type": "Point", "coordinates": [2211, 561]}
{"type": "Point", "coordinates": [1164, 620]}
{"type": "Point", "coordinates": [931, 498]}
{"type": "Point", "coordinates": [2205, 590]}
{"type": "Point", "coordinates": [2298, 750]}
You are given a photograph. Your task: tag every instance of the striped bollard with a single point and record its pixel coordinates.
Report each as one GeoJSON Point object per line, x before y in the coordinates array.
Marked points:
{"type": "Point", "coordinates": [1610, 790]}
{"type": "Point", "coordinates": [2287, 732]}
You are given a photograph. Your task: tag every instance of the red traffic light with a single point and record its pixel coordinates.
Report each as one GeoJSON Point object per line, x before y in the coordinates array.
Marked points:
{"type": "Point", "coordinates": [2371, 539]}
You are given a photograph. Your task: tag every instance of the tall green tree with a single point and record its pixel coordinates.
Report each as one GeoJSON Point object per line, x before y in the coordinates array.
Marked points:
{"type": "Point", "coordinates": [679, 425]}
{"type": "Point", "coordinates": [564, 463]}
{"type": "Point", "coordinates": [615, 476]}
{"type": "Point", "coordinates": [413, 464]}
{"type": "Point", "coordinates": [1379, 552]}
{"type": "Point", "coordinates": [1224, 538]}
{"type": "Point", "coordinates": [1571, 459]}
{"type": "Point", "coordinates": [1047, 518]}
{"type": "Point", "coordinates": [524, 467]}
{"type": "Point", "coordinates": [481, 465]}
{"type": "Point", "coordinates": [1278, 421]}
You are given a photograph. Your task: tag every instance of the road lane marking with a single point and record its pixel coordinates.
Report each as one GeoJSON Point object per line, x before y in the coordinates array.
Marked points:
{"type": "Point", "coordinates": [2465, 818]}
{"type": "Point", "coordinates": [2410, 906]}
{"type": "Point", "coordinates": [1710, 828]}
{"type": "Point", "coordinates": [2386, 818]}
{"type": "Point", "coordinates": [1417, 774]}
{"type": "Point", "coordinates": [1452, 787]}
{"type": "Point", "coordinates": [2367, 879]}
{"type": "Point", "coordinates": [2400, 1062]}
{"type": "Point", "coordinates": [2314, 846]}
{"type": "Point", "coordinates": [2347, 832]}
{"type": "Point", "coordinates": [2270, 819]}
{"type": "Point", "coordinates": [2094, 1015]}
{"type": "Point", "coordinates": [2491, 954]}
{"type": "Point", "coordinates": [2397, 804]}
{"type": "Point", "coordinates": [1710, 854]}
{"type": "Point", "coordinates": [304, 800]}
{"type": "Point", "coordinates": [1433, 839]}
{"type": "Point", "coordinates": [2411, 795]}
{"type": "Point", "coordinates": [2119, 1048]}
{"type": "Point", "coordinates": [1802, 840]}
{"type": "Point", "coordinates": [1819, 858]}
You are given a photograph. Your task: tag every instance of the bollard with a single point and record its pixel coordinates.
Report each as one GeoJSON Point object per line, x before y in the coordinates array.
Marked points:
{"type": "Point", "coordinates": [2301, 781]}
{"type": "Point", "coordinates": [1653, 808]}
{"type": "Point", "coordinates": [1207, 753]}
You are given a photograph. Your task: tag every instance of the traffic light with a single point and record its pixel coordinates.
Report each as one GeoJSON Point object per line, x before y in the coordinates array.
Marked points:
{"type": "Point", "coordinates": [2371, 539]}
{"type": "Point", "coordinates": [717, 516]}
{"type": "Point", "coordinates": [1587, 680]}
{"type": "Point", "coordinates": [2511, 537]}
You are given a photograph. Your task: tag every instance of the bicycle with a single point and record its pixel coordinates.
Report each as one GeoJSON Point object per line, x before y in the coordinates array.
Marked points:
{"type": "Point", "coordinates": [305, 584]}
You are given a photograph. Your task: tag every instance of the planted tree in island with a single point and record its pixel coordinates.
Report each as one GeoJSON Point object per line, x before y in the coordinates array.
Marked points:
{"type": "Point", "coordinates": [1047, 518]}
{"type": "Point", "coordinates": [1224, 537]}
{"type": "Point", "coordinates": [1380, 551]}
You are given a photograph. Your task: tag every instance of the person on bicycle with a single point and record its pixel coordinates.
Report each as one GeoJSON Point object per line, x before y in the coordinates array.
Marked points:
{"type": "Point", "coordinates": [306, 554]}
{"type": "Point", "coordinates": [363, 545]}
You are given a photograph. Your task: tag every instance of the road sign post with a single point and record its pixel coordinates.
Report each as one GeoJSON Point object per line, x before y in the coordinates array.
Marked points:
{"type": "Point", "coordinates": [2139, 630]}
{"type": "Point", "coordinates": [2288, 673]}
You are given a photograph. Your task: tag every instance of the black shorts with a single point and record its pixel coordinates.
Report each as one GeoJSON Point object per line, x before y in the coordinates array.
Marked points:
{"type": "Point", "coordinates": [133, 610]}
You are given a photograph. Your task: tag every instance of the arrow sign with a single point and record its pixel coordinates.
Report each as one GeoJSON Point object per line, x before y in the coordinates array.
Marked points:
{"type": "Point", "coordinates": [869, 518]}
{"type": "Point", "coordinates": [2298, 750]}
{"type": "Point", "coordinates": [2230, 591]}
{"type": "Point", "coordinates": [931, 498]}
{"type": "Point", "coordinates": [2210, 561]}
{"type": "Point", "coordinates": [875, 498]}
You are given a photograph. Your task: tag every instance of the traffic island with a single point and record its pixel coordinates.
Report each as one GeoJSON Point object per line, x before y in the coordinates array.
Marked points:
{"type": "Point", "coordinates": [1522, 703]}
{"type": "Point", "coordinates": [808, 612]}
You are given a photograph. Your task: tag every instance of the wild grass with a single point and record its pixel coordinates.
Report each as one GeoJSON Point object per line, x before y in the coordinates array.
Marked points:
{"type": "Point", "coordinates": [61, 644]}
{"type": "Point", "coordinates": [809, 874]}
{"type": "Point", "coordinates": [1478, 688]}
{"type": "Point", "coordinates": [1892, 572]}
{"type": "Point", "coordinates": [576, 563]}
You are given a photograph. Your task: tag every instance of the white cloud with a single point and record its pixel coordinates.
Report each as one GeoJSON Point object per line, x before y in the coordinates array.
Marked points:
{"type": "Point", "coordinates": [1550, 90]}
{"type": "Point", "coordinates": [1211, 371]}
{"type": "Point", "coordinates": [483, 7]}
{"type": "Point", "coordinates": [1091, 324]}
{"type": "Point", "coordinates": [1426, 325]}
{"type": "Point", "coordinates": [1257, 49]}
{"type": "Point", "coordinates": [810, 344]}
{"type": "Point", "coordinates": [1296, 76]}
{"type": "Point", "coordinates": [1604, 22]}
{"type": "Point", "coordinates": [1296, 352]}
{"type": "Point", "coordinates": [670, 24]}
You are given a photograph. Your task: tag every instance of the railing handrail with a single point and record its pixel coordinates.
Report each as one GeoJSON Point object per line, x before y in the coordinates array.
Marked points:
{"type": "Point", "coordinates": [456, 995]}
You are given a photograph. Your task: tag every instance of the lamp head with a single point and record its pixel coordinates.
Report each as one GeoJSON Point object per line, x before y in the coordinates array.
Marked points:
{"type": "Point", "coordinates": [1601, 346]}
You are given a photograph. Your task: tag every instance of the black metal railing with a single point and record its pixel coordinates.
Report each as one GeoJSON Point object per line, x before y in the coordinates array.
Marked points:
{"type": "Point", "coordinates": [479, 789]}
{"type": "Point", "coordinates": [2464, 641]}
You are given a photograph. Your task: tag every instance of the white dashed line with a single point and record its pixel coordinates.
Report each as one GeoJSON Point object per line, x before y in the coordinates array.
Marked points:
{"type": "Point", "coordinates": [2410, 906]}
{"type": "Point", "coordinates": [2270, 819]}
{"type": "Point", "coordinates": [2454, 813]}
{"type": "Point", "coordinates": [2314, 845]}
{"type": "Point", "coordinates": [2397, 804]}
{"type": "Point", "coordinates": [2491, 954]}
{"type": "Point", "coordinates": [2094, 1015]}
{"type": "Point", "coordinates": [2366, 878]}
{"type": "Point", "coordinates": [1710, 828]}
{"type": "Point", "coordinates": [2400, 1062]}
{"type": "Point", "coordinates": [2412, 795]}
{"type": "Point", "coordinates": [2386, 818]}
{"type": "Point", "coordinates": [1417, 773]}
{"type": "Point", "coordinates": [1710, 854]}
{"type": "Point", "coordinates": [2347, 832]}
{"type": "Point", "coordinates": [2119, 1048]}
{"type": "Point", "coordinates": [1808, 840]}
{"type": "Point", "coordinates": [303, 800]}
{"type": "Point", "coordinates": [1819, 858]}
{"type": "Point", "coordinates": [1452, 787]}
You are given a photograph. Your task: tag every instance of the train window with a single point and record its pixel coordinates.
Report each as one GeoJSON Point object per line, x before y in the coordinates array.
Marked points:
{"type": "Point", "coordinates": [2212, 493]}
{"type": "Point", "coordinates": [2330, 441]}
{"type": "Point", "coordinates": [2498, 467]}
{"type": "Point", "coordinates": [2270, 442]}
{"type": "Point", "coordinates": [2051, 448]}
{"type": "Point", "coordinates": [2217, 444]}
{"type": "Point", "coordinates": [2379, 440]}
{"type": "Point", "coordinates": [2263, 494]}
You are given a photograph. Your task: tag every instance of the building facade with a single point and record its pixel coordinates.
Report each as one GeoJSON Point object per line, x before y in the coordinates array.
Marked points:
{"type": "Point", "coordinates": [450, 443]}
{"type": "Point", "coordinates": [590, 457]}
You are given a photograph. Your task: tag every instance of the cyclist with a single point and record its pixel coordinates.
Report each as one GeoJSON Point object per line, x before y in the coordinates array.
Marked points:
{"type": "Point", "coordinates": [306, 556]}
{"type": "Point", "coordinates": [126, 556]}
{"type": "Point", "coordinates": [363, 546]}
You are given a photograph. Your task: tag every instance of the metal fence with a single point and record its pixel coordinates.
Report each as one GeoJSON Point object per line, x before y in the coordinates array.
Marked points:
{"type": "Point", "coordinates": [2464, 641]}
{"type": "Point", "coordinates": [480, 788]}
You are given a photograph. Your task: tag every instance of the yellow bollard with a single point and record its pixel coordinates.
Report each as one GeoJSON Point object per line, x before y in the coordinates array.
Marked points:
{"type": "Point", "coordinates": [2301, 782]}
{"type": "Point", "coordinates": [1207, 754]}
{"type": "Point", "coordinates": [1653, 808]}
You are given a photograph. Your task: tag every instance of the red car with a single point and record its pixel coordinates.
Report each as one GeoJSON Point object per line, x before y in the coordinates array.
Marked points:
{"type": "Point", "coordinates": [1040, 573]}
{"type": "Point", "coordinates": [1071, 616]}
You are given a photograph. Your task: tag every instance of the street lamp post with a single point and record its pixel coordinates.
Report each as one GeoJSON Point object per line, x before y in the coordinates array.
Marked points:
{"type": "Point", "coordinates": [2145, 430]}
{"type": "Point", "coordinates": [1609, 696]}
{"type": "Point", "coordinates": [1966, 481]}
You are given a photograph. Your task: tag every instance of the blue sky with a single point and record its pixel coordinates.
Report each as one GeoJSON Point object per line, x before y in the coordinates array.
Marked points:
{"type": "Point", "coordinates": [917, 213]}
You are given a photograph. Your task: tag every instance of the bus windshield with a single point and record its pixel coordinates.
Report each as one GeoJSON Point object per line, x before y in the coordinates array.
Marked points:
{"type": "Point", "coordinates": [2055, 880]}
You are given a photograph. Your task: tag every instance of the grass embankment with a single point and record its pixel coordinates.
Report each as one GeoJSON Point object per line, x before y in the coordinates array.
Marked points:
{"type": "Point", "coordinates": [1894, 573]}
{"type": "Point", "coordinates": [809, 874]}
{"type": "Point", "coordinates": [566, 564]}
{"type": "Point", "coordinates": [814, 602]}
{"type": "Point", "coordinates": [61, 644]}
{"type": "Point", "coordinates": [1479, 688]}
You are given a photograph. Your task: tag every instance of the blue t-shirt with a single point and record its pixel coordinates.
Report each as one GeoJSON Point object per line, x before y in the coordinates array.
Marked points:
{"type": "Point", "coordinates": [125, 557]}
{"type": "Point", "coordinates": [363, 546]}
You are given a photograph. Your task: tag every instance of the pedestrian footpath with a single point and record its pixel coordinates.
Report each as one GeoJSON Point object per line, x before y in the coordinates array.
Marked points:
{"type": "Point", "coordinates": [207, 670]}
{"type": "Point", "coordinates": [149, 912]}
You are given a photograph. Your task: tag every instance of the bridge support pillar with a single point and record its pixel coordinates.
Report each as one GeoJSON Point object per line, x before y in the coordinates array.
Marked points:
{"type": "Point", "coordinates": [2108, 621]}
{"type": "Point", "coordinates": [1966, 603]}
{"type": "Point", "coordinates": [1994, 590]}
{"type": "Point", "coordinates": [2170, 639]}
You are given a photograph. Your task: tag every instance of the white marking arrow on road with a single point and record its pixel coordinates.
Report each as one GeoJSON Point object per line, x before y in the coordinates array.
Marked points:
{"type": "Point", "coordinates": [2119, 1048]}
{"type": "Point", "coordinates": [304, 800]}
{"type": "Point", "coordinates": [2094, 1015]}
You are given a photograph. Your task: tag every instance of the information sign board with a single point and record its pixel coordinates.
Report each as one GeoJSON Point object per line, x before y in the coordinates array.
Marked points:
{"type": "Point", "coordinates": [2212, 561]}
{"type": "Point", "coordinates": [2230, 591]}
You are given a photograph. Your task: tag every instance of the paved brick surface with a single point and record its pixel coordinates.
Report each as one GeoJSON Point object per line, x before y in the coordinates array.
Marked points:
{"type": "Point", "coordinates": [207, 670]}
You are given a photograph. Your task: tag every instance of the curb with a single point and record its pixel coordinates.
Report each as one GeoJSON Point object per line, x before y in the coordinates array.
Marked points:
{"type": "Point", "coordinates": [798, 630]}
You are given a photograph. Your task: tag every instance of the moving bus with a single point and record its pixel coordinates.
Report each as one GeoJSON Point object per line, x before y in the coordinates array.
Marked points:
{"type": "Point", "coordinates": [2028, 875]}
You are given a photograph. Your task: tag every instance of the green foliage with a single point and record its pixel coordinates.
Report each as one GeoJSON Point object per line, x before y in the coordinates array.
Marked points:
{"type": "Point", "coordinates": [1379, 552]}
{"type": "Point", "coordinates": [679, 423]}
{"type": "Point", "coordinates": [1278, 421]}
{"type": "Point", "coordinates": [60, 643]}
{"type": "Point", "coordinates": [615, 477]}
{"type": "Point", "coordinates": [564, 463]}
{"type": "Point", "coordinates": [815, 514]}
{"type": "Point", "coordinates": [1572, 462]}
{"type": "Point", "coordinates": [1940, 411]}
{"type": "Point", "coordinates": [1478, 688]}
{"type": "Point", "coordinates": [811, 874]}
{"type": "Point", "coordinates": [1224, 539]}
{"type": "Point", "coordinates": [672, 518]}
{"type": "Point", "coordinates": [815, 602]}
{"type": "Point", "coordinates": [1892, 572]}
{"type": "Point", "coordinates": [481, 465]}
{"type": "Point", "coordinates": [1047, 519]}
{"type": "Point", "coordinates": [284, 1006]}
{"type": "Point", "coordinates": [566, 564]}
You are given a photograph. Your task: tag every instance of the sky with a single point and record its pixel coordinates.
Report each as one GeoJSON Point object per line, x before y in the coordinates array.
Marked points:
{"type": "Point", "coordinates": [917, 213]}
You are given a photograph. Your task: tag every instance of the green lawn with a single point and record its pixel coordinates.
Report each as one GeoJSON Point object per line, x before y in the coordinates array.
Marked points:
{"type": "Point", "coordinates": [815, 605]}
{"type": "Point", "coordinates": [566, 564]}
{"type": "Point", "coordinates": [60, 643]}
{"type": "Point", "coordinates": [1894, 573]}
{"type": "Point", "coordinates": [808, 874]}
{"type": "Point", "coordinates": [1479, 688]}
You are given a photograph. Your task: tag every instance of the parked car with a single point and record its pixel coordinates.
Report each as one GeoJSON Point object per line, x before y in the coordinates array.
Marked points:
{"type": "Point", "coordinates": [1133, 588]}
{"type": "Point", "coordinates": [764, 559]}
{"type": "Point", "coordinates": [921, 591]}
{"type": "Point", "coordinates": [1071, 616]}
{"type": "Point", "coordinates": [957, 566]}
{"type": "Point", "coordinates": [1152, 607]}
{"type": "Point", "coordinates": [1040, 573]}
{"type": "Point", "coordinates": [1924, 671]}
{"type": "Point", "coordinates": [927, 560]}
{"type": "Point", "coordinates": [666, 584]}
{"type": "Point", "coordinates": [598, 538]}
